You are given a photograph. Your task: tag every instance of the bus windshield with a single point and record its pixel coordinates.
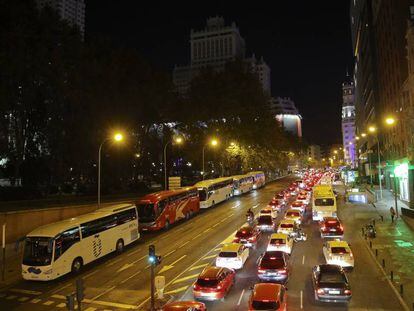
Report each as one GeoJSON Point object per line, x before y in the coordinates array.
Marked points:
{"type": "Point", "coordinates": [202, 193]}
{"type": "Point", "coordinates": [38, 251]}
{"type": "Point", "coordinates": [324, 202]}
{"type": "Point", "coordinates": [146, 212]}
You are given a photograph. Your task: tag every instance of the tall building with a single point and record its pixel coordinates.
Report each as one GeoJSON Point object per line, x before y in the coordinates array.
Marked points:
{"type": "Point", "coordinates": [348, 123]}
{"type": "Point", "coordinates": [214, 46]}
{"type": "Point", "coordinates": [287, 115]}
{"type": "Point", "coordinates": [73, 11]}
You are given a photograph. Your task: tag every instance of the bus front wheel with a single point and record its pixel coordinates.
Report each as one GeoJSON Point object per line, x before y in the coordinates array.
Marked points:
{"type": "Point", "coordinates": [77, 265]}
{"type": "Point", "coordinates": [119, 246]}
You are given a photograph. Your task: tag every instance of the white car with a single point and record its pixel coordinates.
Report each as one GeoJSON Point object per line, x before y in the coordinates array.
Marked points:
{"type": "Point", "coordinates": [338, 253]}
{"type": "Point", "coordinates": [268, 211]}
{"type": "Point", "coordinates": [280, 242]}
{"type": "Point", "coordinates": [294, 215]}
{"type": "Point", "coordinates": [286, 226]}
{"type": "Point", "coordinates": [233, 256]}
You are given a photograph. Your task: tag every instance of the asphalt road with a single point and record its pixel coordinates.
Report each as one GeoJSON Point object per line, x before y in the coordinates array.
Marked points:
{"type": "Point", "coordinates": [122, 282]}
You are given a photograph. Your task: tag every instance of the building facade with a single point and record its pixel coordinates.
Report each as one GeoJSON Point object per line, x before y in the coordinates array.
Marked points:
{"type": "Point", "coordinates": [314, 154]}
{"type": "Point", "coordinates": [348, 124]}
{"type": "Point", "coordinates": [287, 115]}
{"type": "Point", "coordinates": [214, 46]}
{"type": "Point", "coordinates": [72, 11]}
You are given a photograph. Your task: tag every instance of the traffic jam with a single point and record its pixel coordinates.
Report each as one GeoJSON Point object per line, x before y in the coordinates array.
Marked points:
{"type": "Point", "coordinates": [280, 225]}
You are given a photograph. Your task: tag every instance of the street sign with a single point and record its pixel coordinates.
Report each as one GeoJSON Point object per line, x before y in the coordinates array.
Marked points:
{"type": "Point", "coordinates": [174, 182]}
{"type": "Point", "coordinates": [160, 285]}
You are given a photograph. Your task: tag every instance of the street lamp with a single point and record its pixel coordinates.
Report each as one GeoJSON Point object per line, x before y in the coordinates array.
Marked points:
{"type": "Point", "coordinates": [118, 137]}
{"type": "Point", "coordinates": [363, 134]}
{"type": "Point", "coordinates": [213, 142]}
{"type": "Point", "coordinates": [390, 121]}
{"type": "Point", "coordinates": [178, 141]}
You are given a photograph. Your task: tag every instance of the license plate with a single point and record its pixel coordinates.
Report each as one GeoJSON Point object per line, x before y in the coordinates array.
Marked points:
{"type": "Point", "coordinates": [334, 292]}
{"type": "Point", "coordinates": [332, 230]}
{"type": "Point", "coordinates": [207, 294]}
{"type": "Point", "coordinates": [273, 273]}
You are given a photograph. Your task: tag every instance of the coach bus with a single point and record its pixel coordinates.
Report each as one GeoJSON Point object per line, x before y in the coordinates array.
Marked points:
{"type": "Point", "coordinates": [242, 184]}
{"type": "Point", "coordinates": [214, 191]}
{"type": "Point", "coordinates": [161, 209]}
{"type": "Point", "coordinates": [58, 248]}
{"type": "Point", "coordinates": [259, 179]}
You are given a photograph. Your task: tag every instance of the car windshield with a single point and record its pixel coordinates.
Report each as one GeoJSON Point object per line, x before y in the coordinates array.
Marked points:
{"type": "Point", "coordinates": [38, 251]}
{"type": "Point", "coordinates": [286, 225]}
{"type": "Point", "coordinates": [265, 220]}
{"type": "Point", "coordinates": [202, 193]}
{"type": "Point", "coordinates": [324, 202]}
{"type": "Point", "coordinates": [272, 263]}
{"type": "Point", "coordinates": [339, 250]}
{"type": "Point", "coordinates": [146, 212]}
{"type": "Point", "coordinates": [265, 305]}
{"type": "Point", "coordinates": [332, 223]}
{"type": "Point", "coordinates": [277, 241]}
{"type": "Point", "coordinates": [332, 277]}
{"type": "Point", "coordinates": [207, 282]}
{"type": "Point", "coordinates": [228, 254]}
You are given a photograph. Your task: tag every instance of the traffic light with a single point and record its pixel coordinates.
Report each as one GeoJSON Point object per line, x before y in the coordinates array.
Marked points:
{"type": "Point", "coordinates": [70, 302]}
{"type": "Point", "coordinates": [152, 257]}
{"type": "Point", "coordinates": [80, 288]}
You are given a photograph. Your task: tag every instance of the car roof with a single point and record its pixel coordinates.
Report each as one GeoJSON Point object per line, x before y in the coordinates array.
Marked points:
{"type": "Point", "coordinates": [211, 272]}
{"type": "Point", "coordinates": [287, 221]}
{"type": "Point", "coordinates": [266, 291]}
{"type": "Point", "coordinates": [329, 268]}
{"type": "Point", "coordinates": [279, 236]}
{"type": "Point", "coordinates": [338, 244]}
{"type": "Point", "coordinates": [231, 247]}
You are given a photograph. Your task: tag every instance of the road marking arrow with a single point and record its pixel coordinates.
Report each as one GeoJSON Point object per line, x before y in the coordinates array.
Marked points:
{"type": "Point", "coordinates": [169, 267]}
{"type": "Point", "coordinates": [124, 267]}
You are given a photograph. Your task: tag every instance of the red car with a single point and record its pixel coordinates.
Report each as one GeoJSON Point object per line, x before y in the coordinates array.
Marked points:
{"type": "Point", "coordinates": [268, 296]}
{"type": "Point", "coordinates": [248, 236]}
{"type": "Point", "coordinates": [185, 306]}
{"type": "Point", "coordinates": [213, 283]}
{"type": "Point", "coordinates": [331, 227]}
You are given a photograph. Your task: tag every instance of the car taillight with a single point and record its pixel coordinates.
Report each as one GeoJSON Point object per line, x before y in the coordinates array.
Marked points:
{"type": "Point", "coordinates": [252, 239]}
{"type": "Point", "coordinates": [320, 291]}
{"type": "Point", "coordinates": [283, 271]}
{"type": "Point", "coordinates": [196, 287]}
{"type": "Point", "coordinates": [261, 271]}
{"type": "Point", "coordinates": [218, 287]}
{"type": "Point", "coordinates": [236, 240]}
{"type": "Point", "coordinates": [347, 292]}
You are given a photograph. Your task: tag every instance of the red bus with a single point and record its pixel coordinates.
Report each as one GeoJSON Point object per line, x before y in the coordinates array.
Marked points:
{"type": "Point", "coordinates": [161, 209]}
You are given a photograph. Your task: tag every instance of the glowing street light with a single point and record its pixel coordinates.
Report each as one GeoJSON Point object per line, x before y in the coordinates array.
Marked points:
{"type": "Point", "coordinates": [336, 151]}
{"type": "Point", "coordinates": [213, 142]}
{"type": "Point", "coordinates": [178, 140]}
{"type": "Point", "coordinates": [390, 121]}
{"type": "Point", "coordinates": [364, 134]}
{"type": "Point", "coordinates": [372, 129]}
{"type": "Point", "coordinates": [117, 137]}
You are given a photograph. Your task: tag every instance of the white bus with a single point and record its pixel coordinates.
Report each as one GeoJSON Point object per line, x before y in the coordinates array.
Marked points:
{"type": "Point", "coordinates": [323, 202]}
{"type": "Point", "coordinates": [53, 250]}
{"type": "Point", "coordinates": [242, 184]}
{"type": "Point", "coordinates": [259, 179]}
{"type": "Point", "coordinates": [214, 191]}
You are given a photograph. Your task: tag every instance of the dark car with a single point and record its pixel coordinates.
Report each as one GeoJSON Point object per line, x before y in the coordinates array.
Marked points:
{"type": "Point", "coordinates": [266, 223]}
{"type": "Point", "coordinates": [273, 266]}
{"type": "Point", "coordinates": [330, 284]}
{"type": "Point", "coordinates": [248, 236]}
{"type": "Point", "coordinates": [331, 227]}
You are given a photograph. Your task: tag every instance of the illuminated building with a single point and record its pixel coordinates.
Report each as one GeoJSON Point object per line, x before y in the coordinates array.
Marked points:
{"type": "Point", "coordinates": [348, 123]}
{"type": "Point", "coordinates": [286, 113]}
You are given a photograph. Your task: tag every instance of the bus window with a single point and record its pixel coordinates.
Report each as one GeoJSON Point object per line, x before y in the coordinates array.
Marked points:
{"type": "Point", "coordinates": [324, 202]}
{"type": "Point", "coordinates": [66, 240]}
{"type": "Point", "coordinates": [146, 212]}
{"type": "Point", "coordinates": [38, 251]}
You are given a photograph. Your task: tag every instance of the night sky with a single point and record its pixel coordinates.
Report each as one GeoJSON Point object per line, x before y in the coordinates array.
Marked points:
{"type": "Point", "coordinates": [306, 44]}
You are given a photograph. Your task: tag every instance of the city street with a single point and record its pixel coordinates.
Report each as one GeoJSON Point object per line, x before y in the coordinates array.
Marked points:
{"type": "Point", "coordinates": [122, 282]}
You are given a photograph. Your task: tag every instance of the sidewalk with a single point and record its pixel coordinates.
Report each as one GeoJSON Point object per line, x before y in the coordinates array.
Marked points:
{"type": "Point", "coordinates": [393, 246]}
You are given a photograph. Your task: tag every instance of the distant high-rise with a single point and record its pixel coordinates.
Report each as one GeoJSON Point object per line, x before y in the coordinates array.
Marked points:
{"type": "Point", "coordinates": [348, 123]}
{"type": "Point", "coordinates": [72, 11]}
{"type": "Point", "coordinates": [214, 46]}
{"type": "Point", "coordinates": [285, 112]}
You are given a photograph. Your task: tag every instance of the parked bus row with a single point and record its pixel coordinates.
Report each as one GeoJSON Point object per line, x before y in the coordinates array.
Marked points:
{"type": "Point", "coordinates": [53, 250]}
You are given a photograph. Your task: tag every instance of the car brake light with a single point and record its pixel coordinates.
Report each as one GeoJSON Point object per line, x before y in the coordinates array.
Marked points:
{"type": "Point", "coordinates": [218, 287]}
{"type": "Point", "coordinates": [347, 292]}
{"type": "Point", "coordinates": [196, 287]}
{"type": "Point", "coordinates": [283, 271]}
{"type": "Point", "coordinates": [261, 271]}
{"type": "Point", "coordinates": [320, 291]}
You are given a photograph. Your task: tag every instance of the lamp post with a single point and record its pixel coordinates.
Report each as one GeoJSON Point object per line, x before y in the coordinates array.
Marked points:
{"type": "Point", "coordinates": [177, 140]}
{"type": "Point", "coordinates": [213, 143]}
{"type": "Point", "coordinates": [117, 138]}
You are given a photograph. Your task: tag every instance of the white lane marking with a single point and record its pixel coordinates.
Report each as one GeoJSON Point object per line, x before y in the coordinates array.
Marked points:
{"type": "Point", "coordinates": [63, 287]}
{"type": "Point", "coordinates": [36, 300]}
{"type": "Point", "coordinates": [195, 237]}
{"type": "Point", "coordinates": [101, 303]}
{"type": "Point", "coordinates": [178, 290]}
{"type": "Point", "coordinates": [209, 257]}
{"type": "Point", "coordinates": [170, 266]}
{"type": "Point", "coordinates": [134, 252]}
{"type": "Point", "coordinates": [103, 293]}
{"type": "Point", "coordinates": [198, 267]}
{"type": "Point", "coordinates": [241, 297]}
{"type": "Point", "coordinates": [61, 305]}
{"type": "Point", "coordinates": [11, 297]}
{"type": "Point", "coordinates": [25, 291]}
{"type": "Point", "coordinates": [207, 230]}
{"type": "Point", "coordinates": [23, 299]}
{"type": "Point", "coordinates": [185, 278]}
{"type": "Point", "coordinates": [301, 299]}
{"type": "Point", "coordinates": [303, 260]}
{"type": "Point", "coordinates": [127, 279]}
{"type": "Point", "coordinates": [114, 262]}
{"type": "Point", "coordinates": [90, 309]}
{"type": "Point", "coordinates": [48, 303]}
{"type": "Point", "coordinates": [255, 206]}
{"type": "Point", "coordinates": [169, 253]}
{"type": "Point", "coordinates": [124, 267]}
{"type": "Point", "coordinates": [182, 245]}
